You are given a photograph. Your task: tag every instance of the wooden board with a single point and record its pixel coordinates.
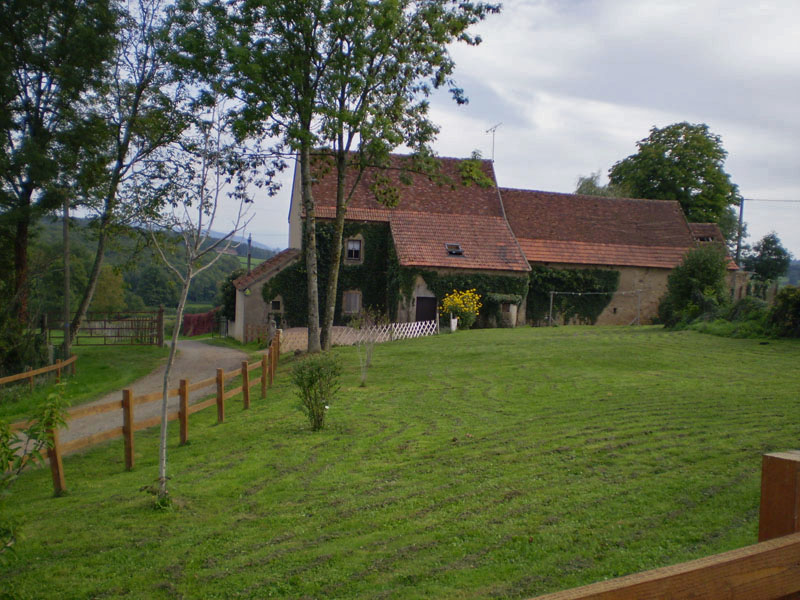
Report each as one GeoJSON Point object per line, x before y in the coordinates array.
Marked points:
{"type": "Point", "coordinates": [766, 571]}
{"type": "Point", "coordinates": [231, 393]}
{"type": "Point", "coordinates": [202, 384]}
{"type": "Point", "coordinates": [42, 371]}
{"type": "Point", "coordinates": [87, 411]}
{"type": "Point", "coordinates": [91, 440]}
{"type": "Point", "coordinates": [201, 405]}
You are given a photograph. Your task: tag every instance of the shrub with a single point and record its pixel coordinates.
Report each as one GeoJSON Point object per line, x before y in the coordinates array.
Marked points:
{"type": "Point", "coordinates": [317, 381]}
{"type": "Point", "coordinates": [696, 287]}
{"type": "Point", "coordinates": [785, 313]}
{"type": "Point", "coordinates": [465, 305]}
{"type": "Point", "coordinates": [747, 309]}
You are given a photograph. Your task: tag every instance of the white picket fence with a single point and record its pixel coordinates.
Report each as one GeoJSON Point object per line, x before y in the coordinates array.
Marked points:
{"type": "Point", "coordinates": [297, 337]}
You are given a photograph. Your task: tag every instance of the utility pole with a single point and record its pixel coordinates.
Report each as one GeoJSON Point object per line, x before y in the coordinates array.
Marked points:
{"type": "Point", "coordinates": [249, 250]}
{"type": "Point", "coordinates": [739, 237]}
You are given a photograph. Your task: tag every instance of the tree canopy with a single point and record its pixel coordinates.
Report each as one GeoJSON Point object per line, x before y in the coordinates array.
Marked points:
{"type": "Point", "coordinates": [682, 162]}
{"type": "Point", "coordinates": [768, 259]}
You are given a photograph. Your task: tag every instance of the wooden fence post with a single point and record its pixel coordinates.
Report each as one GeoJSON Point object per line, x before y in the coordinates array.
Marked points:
{"type": "Point", "coordinates": [56, 466]}
{"type": "Point", "coordinates": [245, 385]}
{"type": "Point", "coordinates": [264, 375]}
{"type": "Point", "coordinates": [271, 362]}
{"type": "Point", "coordinates": [220, 396]}
{"type": "Point", "coordinates": [160, 325]}
{"type": "Point", "coordinates": [780, 495]}
{"type": "Point", "coordinates": [127, 427]}
{"type": "Point", "coordinates": [58, 371]}
{"type": "Point", "coordinates": [74, 363]}
{"type": "Point", "coordinates": [30, 379]}
{"type": "Point", "coordinates": [183, 411]}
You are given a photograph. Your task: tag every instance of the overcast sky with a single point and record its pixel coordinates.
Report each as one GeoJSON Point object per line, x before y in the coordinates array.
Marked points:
{"type": "Point", "coordinates": [575, 83]}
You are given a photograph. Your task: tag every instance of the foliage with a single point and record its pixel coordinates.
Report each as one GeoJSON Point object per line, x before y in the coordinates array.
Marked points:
{"type": "Point", "coordinates": [768, 259]}
{"type": "Point", "coordinates": [785, 313]}
{"type": "Point", "coordinates": [471, 171]}
{"type": "Point", "coordinates": [109, 295]}
{"type": "Point", "coordinates": [464, 305]}
{"type": "Point", "coordinates": [587, 293]}
{"type": "Point", "coordinates": [695, 287]}
{"type": "Point", "coordinates": [53, 54]}
{"type": "Point", "coordinates": [367, 322]}
{"type": "Point", "coordinates": [316, 378]}
{"type": "Point", "coordinates": [682, 162]}
{"type": "Point", "coordinates": [24, 447]}
{"type": "Point", "coordinates": [20, 347]}
{"type": "Point", "coordinates": [369, 276]}
{"type": "Point", "coordinates": [227, 293]}
{"type": "Point", "coordinates": [590, 185]}
{"type": "Point", "coordinates": [401, 282]}
{"type": "Point", "coordinates": [746, 318]}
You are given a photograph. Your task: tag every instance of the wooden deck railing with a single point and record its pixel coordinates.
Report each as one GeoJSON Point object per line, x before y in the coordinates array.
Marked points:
{"type": "Point", "coordinates": [769, 570]}
{"type": "Point", "coordinates": [268, 364]}
{"type": "Point", "coordinates": [29, 375]}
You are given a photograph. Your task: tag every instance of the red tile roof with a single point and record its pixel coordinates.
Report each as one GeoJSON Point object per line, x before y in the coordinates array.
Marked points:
{"type": "Point", "coordinates": [577, 229]}
{"type": "Point", "coordinates": [702, 231]}
{"type": "Point", "coordinates": [587, 253]}
{"type": "Point", "coordinates": [487, 242]}
{"type": "Point", "coordinates": [420, 195]}
{"type": "Point", "coordinates": [268, 268]}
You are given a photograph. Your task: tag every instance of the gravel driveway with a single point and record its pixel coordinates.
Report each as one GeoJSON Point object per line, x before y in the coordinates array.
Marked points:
{"type": "Point", "coordinates": [195, 361]}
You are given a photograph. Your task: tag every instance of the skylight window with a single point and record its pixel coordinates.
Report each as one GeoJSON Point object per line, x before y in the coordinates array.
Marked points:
{"type": "Point", "coordinates": [454, 249]}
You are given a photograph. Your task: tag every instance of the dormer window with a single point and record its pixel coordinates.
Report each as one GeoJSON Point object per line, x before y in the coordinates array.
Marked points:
{"type": "Point", "coordinates": [353, 250]}
{"type": "Point", "coordinates": [705, 238]}
{"type": "Point", "coordinates": [454, 249]}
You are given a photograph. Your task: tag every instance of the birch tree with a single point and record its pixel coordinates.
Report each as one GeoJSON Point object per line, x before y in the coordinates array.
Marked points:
{"type": "Point", "coordinates": [195, 177]}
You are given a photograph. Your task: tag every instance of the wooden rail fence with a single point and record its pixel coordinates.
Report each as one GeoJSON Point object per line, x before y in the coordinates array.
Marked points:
{"type": "Point", "coordinates": [769, 570]}
{"type": "Point", "coordinates": [268, 365]}
{"type": "Point", "coordinates": [59, 366]}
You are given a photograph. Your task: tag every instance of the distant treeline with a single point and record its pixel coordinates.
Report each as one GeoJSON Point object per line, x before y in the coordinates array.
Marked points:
{"type": "Point", "coordinates": [133, 276]}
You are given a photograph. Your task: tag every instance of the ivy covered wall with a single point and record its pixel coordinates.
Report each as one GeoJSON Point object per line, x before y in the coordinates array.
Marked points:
{"type": "Point", "coordinates": [384, 283]}
{"type": "Point", "coordinates": [585, 308]}
{"type": "Point", "coordinates": [369, 276]}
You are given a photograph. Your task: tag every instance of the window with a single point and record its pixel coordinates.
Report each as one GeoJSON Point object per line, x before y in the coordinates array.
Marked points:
{"type": "Point", "coordinates": [351, 302]}
{"type": "Point", "coordinates": [276, 305]}
{"type": "Point", "coordinates": [353, 250]}
{"type": "Point", "coordinates": [454, 249]}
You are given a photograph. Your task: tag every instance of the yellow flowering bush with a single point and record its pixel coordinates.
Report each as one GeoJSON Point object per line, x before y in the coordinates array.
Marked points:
{"type": "Point", "coordinates": [462, 304]}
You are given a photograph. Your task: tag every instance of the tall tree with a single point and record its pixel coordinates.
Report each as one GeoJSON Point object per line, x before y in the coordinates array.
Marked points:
{"type": "Point", "coordinates": [388, 56]}
{"type": "Point", "coordinates": [139, 112]}
{"type": "Point", "coordinates": [335, 78]}
{"type": "Point", "coordinates": [590, 185]}
{"type": "Point", "coordinates": [768, 259]}
{"type": "Point", "coordinates": [52, 52]}
{"type": "Point", "coordinates": [682, 162]}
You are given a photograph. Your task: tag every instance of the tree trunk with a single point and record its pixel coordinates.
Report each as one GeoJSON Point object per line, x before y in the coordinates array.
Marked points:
{"type": "Point", "coordinates": [336, 253]}
{"type": "Point", "coordinates": [310, 249]}
{"type": "Point", "coordinates": [91, 285]}
{"type": "Point", "coordinates": [162, 452]}
{"type": "Point", "coordinates": [21, 255]}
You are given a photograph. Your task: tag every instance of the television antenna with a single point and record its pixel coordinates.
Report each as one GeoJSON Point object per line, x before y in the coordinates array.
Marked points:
{"type": "Point", "coordinates": [493, 129]}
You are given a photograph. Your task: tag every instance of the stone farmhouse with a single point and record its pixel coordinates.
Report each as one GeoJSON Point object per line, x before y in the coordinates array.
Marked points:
{"type": "Point", "coordinates": [607, 259]}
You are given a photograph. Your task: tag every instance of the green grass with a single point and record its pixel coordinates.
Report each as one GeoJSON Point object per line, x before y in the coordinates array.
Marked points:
{"type": "Point", "coordinates": [99, 370]}
{"type": "Point", "coordinates": [253, 262]}
{"type": "Point", "coordinates": [495, 463]}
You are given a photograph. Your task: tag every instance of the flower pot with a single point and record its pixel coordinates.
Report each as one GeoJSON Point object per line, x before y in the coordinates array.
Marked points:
{"type": "Point", "coordinates": [453, 323]}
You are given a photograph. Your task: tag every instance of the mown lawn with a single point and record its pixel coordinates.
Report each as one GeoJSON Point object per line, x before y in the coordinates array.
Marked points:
{"type": "Point", "coordinates": [99, 370]}
{"type": "Point", "coordinates": [502, 463]}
